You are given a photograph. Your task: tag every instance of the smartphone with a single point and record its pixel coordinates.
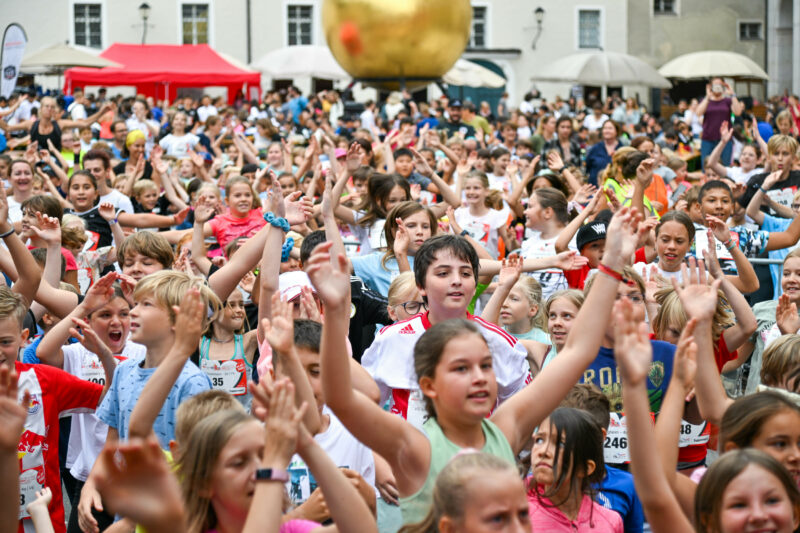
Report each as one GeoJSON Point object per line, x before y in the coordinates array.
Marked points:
{"type": "Point", "coordinates": [682, 188]}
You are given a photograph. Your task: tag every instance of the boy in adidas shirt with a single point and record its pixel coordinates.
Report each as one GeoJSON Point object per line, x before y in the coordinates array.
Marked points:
{"type": "Point", "coordinates": [446, 271]}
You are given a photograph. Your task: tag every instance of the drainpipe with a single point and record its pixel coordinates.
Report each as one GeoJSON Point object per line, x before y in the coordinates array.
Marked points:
{"type": "Point", "coordinates": [249, 43]}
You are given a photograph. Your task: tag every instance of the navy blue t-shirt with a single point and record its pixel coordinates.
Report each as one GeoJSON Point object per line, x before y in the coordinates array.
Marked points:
{"type": "Point", "coordinates": [603, 372]}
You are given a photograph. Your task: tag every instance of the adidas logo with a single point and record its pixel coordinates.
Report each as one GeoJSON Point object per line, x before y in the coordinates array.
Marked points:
{"type": "Point", "coordinates": [407, 330]}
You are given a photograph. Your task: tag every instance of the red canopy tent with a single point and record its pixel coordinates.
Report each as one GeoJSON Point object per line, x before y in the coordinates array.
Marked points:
{"type": "Point", "coordinates": [158, 70]}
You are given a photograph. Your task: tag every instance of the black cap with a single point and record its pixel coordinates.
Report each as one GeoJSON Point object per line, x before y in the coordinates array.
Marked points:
{"type": "Point", "coordinates": [455, 103]}
{"type": "Point", "coordinates": [593, 231]}
{"type": "Point", "coordinates": [249, 167]}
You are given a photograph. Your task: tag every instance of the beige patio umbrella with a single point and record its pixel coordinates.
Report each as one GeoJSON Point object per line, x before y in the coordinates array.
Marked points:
{"type": "Point", "coordinates": [59, 57]}
{"type": "Point", "coordinates": [301, 60]}
{"type": "Point", "coordinates": [470, 74]}
{"type": "Point", "coordinates": [712, 63]}
{"type": "Point", "coordinates": [601, 68]}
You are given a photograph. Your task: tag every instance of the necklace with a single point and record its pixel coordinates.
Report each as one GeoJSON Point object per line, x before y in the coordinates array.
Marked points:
{"type": "Point", "coordinates": [226, 341]}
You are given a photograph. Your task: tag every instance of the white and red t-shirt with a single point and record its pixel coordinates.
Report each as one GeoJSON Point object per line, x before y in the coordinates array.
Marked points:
{"type": "Point", "coordinates": [54, 393]}
{"type": "Point", "coordinates": [390, 362]}
{"type": "Point", "coordinates": [484, 229]}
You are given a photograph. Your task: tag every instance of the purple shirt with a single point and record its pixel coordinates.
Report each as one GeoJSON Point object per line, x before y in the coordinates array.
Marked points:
{"type": "Point", "coordinates": [717, 112]}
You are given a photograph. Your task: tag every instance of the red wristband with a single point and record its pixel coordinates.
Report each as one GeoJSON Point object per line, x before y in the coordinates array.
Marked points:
{"type": "Point", "coordinates": [613, 273]}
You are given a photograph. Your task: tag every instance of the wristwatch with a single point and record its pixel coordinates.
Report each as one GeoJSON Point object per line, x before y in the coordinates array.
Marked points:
{"type": "Point", "coordinates": [272, 474]}
{"type": "Point", "coordinates": [464, 233]}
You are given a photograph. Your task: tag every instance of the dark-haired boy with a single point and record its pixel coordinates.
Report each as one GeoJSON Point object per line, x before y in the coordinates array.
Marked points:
{"type": "Point", "coordinates": [446, 272]}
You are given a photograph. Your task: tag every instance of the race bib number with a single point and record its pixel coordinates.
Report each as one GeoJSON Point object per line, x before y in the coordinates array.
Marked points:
{"type": "Point", "coordinates": [770, 334]}
{"type": "Point", "coordinates": [615, 447]}
{"type": "Point", "coordinates": [229, 376]}
{"type": "Point", "coordinates": [417, 413]}
{"type": "Point", "coordinates": [702, 239]}
{"type": "Point", "coordinates": [29, 484]}
{"type": "Point", "coordinates": [92, 370]}
{"type": "Point", "coordinates": [692, 434]}
{"type": "Point", "coordinates": [782, 196]}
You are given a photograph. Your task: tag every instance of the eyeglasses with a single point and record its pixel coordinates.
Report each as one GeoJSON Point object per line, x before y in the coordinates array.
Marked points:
{"type": "Point", "coordinates": [413, 307]}
{"type": "Point", "coordinates": [795, 206]}
{"type": "Point", "coordinates": [634, 297]}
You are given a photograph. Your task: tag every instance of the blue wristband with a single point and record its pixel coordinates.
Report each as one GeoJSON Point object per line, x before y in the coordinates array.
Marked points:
{"type": "Point", "coordinates": [286, 249]}
{"type": "Point", "coordinates": [278, 222]}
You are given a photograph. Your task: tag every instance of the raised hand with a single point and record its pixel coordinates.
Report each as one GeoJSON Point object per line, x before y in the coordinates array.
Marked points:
{"type": "Point", "coordinates": [712, 263]}
{"type": "Point", "coordinates": [632, 348]}
{"type": "Point", "coordinates": [699, 299]}
{"type": "Point", "coordinates": [13, 413]}
{"type": "Point", "coordinates": [416, 190]}
{"type": "Point", "coordinates": [327, 197]}
{"type": "Point", "coordinates": [401, 238]}
{"type": "Point", "coordinates": [181, 215]}
{"type": "Point", "coordinates": [570, 260]}
{"type": "Point", "coordinates": [622, 238]}
{"type": "Point", "coordinates": [280, 330]}
{"type": "Point", "coordinates": [88, 337]}
{"type": "Point", "coordinates": [100, 293]}
{"type": "Point", "coordinates": [203, 213]}
{"type": "Point", "coordinates": [330, 276]}
{"type": "Point", "coordinates": [771, 179]}
{"type": "Point", "coordinates": [420, 164]}
{"type": "Point", "coordinates": [644, 172]}
{"type": "Point", "coordinates": [107, 211]}
{"type": "Point", "coordinates": [308, 306]}
{"type": "Point", "coordinates": [282, 426]}
{"type": "Point", "coordinates": [136, 482]}
{"type": "Point", "coordinates": [3, 209]}
{"type": "Point", "coordinates": [510, 271]}
{"type": "Point", "coordinates": [49, 229]}
{"type": "Point", "coordinates": [587, 194]}
{"type": "Point", "coordinates": [725, 133]}
{"type": "Point", "coordinates": [719, 228]}
{"type": "Point", "coordinates": [41, 502]}
{"type": "Point", "coordinates": [451, 219]}
{"type": "Point", "coordinates": [685, 364]}
{"type": "Point", "coordinates": [189, 322]}
{"type": "Point", "coordinates": [554, 161]}
{"type": "Point", "coordinates": [298, 210]}
{"type": "Point", "coordinates": [786, 315]}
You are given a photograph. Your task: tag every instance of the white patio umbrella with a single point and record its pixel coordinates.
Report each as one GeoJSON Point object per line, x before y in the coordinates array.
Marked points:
{"type": "Point", "coordinates": [301, 60]}
{"type": "Point", "coordinates": [712, 63]}
{"type": "Point", "coordinates": [470, 74]}
{"type": "Point", "coordinates": [602, 68]}
{"type": "Point", "coordinates": [59, 57]}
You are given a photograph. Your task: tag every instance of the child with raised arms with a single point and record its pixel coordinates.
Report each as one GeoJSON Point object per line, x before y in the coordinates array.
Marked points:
{"type": "Point", "coordinates": [454, 363]}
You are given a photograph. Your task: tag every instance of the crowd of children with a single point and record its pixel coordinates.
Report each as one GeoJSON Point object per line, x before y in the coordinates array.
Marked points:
{"type": "Point", "coordinates": [406, 335]}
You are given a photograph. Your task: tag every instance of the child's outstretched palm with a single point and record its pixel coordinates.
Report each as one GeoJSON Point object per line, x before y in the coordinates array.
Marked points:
{"type": "Point", "coordinates": [330, 277]}
{"type": "Point", "coordinates": [280, 330]}
{"type": "Point", "coordinates": [632, 348]}
{"type": "Point", "coordinates": [699, 299]}
{"type": "Point", "coordinates": [189, 322]}
{"type": "Point", "coordinates": [685, 364]}
{"type": "Point", "coordinates": [88, 337]}
{"type": "Point", "coordinates": [786, 315]}
{"type": "Point", "coordinates": [49, 229]}
{"type": "Point", "coordinates": [140, 485]}
{"type": "Point", "coordinates": [510, 271]}
{"type": "Point", "coordinates": [101, 292]}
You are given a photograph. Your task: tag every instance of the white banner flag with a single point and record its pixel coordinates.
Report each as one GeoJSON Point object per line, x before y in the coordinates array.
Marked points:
{"type": "Point", "coordinates": [14, 41]}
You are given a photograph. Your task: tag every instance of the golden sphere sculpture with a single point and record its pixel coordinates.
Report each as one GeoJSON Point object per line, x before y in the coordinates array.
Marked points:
{"type": "Point", "coordinates": [382, 40]}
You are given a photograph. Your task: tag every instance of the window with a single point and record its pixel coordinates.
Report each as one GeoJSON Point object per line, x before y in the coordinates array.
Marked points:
{"type": "Point", "coordinates": [750, 31]}
{"type": "Point", "coordinates": [664, 7]}
{"type": "Point", "coordinates": [299, 24]}
{"type": "Point", "coordinates": [478, 37]}
{"type": "Point", "coordinates": [195, 23]}
{"type": "Point", "coordinates": [88, 25]}
{"type": "Point", "coordinates": [589, 28]}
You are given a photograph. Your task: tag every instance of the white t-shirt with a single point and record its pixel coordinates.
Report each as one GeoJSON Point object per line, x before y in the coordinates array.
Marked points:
{"type": "Point", "coordinates": [14, 210]}
{"type": "Point", "coordinates": [343, 449]}
{"type": "Point", "coordinates": [371, 237]}
{"type": "Point", "coordinates": [77, 111]}
{"type": "Point", "coordinates": [390, 362]}
{"type": "Point", "coordinates": [205, 111]}
{"type": "Point", "coordinates": [551, 279]}
{"type": "Point", "coordinates": [89, 434]}
{"type": "Point", "coordinates": [740, 176]}
{"type": "Point", "coordinates": [499, 182]}
{"type": "Point", "coordinates": [591, 123]}
{"type": "Point", "coordinates": [135, 124]}
{"type": "Point", "coordinates": [179, 146]}
{"type": "Point", "coordinates": [119, 200]}
{"type": "Point", "coordinates": [484, 228]}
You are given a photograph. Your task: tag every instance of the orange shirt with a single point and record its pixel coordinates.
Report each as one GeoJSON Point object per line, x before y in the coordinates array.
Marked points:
{"type": "Point", "coordinates": [657, 192]}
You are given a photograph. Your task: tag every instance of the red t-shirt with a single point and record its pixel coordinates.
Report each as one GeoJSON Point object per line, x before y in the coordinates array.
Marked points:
{"type": "Point", "coordinates": [694, 453]}
{"type": "Point", "coordinates": [68, 258]}
{"type": "Point", "coordinates": [577, 278]}
{"type": "Point", "coordinates": [53, 393]}
{"type": "Point", "coordinates": [228, 227]}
